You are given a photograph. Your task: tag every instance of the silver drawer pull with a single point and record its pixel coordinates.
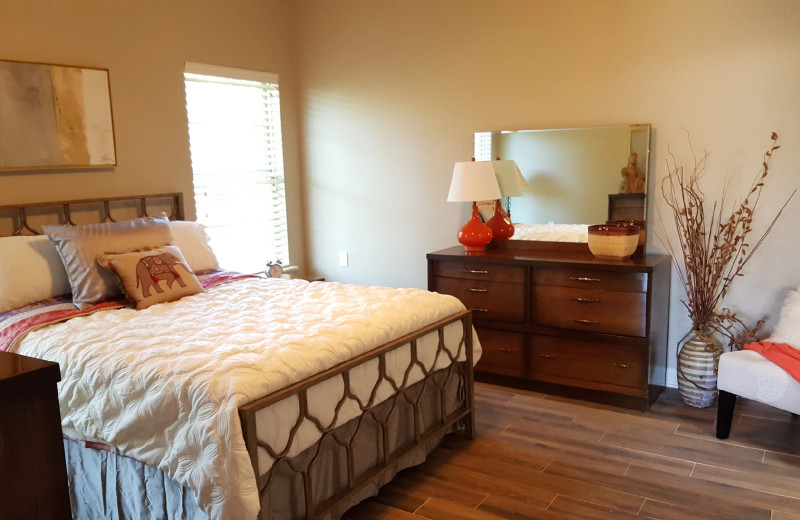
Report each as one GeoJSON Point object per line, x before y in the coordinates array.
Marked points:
{"type": "Point", "coordinates": [473, 290]}
{"type": "Point", "coordinates": [478, 310]}
{"type": "Point", "coordinates": [585, 300]}
{"type": "Point", "coordinates": [623, 365]}
{"type": "Point", "coordinates": [506, 350]}
{"type": "Point", "coordinates": [547, 356]}
{"type": "Point", "coordinates": [586, 322]}
{"type": "Point", "coordinates": [583, 279]}
{"type": "Point", "coordinates": [475, 271]}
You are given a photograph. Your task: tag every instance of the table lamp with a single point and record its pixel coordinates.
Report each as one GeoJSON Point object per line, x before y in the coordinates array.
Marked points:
{"type": "Point", "coordinates": [473, 181]}
{"type": "Point", "coordinates": [510, 181]}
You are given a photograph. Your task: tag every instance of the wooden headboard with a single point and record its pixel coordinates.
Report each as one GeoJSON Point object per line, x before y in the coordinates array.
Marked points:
{"type": "Point", "coordinates": [24, 219]}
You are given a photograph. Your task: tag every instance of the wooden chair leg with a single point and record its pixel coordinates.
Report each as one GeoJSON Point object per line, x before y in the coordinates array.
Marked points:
{"type": "Point", "coordinates": [725, 405]}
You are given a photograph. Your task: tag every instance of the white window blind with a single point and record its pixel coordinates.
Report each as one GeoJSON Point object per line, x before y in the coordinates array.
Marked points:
{"type": "Point", "coordinates": [237, 164]}
{"type": "Point", "coordinates": [483, 146]}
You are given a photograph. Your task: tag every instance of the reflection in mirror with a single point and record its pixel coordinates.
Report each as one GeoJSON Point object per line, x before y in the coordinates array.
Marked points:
{"type": "Point", "coordinates": [576, 176]}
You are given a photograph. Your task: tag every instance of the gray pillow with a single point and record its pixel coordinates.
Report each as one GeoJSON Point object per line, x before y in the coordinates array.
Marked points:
{"type": "Point", "coordinates": [79, 247]}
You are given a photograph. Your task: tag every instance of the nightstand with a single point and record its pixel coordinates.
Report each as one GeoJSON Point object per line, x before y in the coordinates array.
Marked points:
{"type": "Point", "coordinates": [32, 465]}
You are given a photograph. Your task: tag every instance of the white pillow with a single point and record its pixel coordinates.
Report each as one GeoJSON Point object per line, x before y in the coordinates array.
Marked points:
{"type": "Point", "coordinates": [30, 271]}
{"type": "Point", "coordinates": [191, 239]}
{"type": "Point", "coordinates": [788, 328]}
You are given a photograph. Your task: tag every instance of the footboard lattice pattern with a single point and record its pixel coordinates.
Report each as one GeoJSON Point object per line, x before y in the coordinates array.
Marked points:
{"type": "Point", "coordinates": [418, 388]}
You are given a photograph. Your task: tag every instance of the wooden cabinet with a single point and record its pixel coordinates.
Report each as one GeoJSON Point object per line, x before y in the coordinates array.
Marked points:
{"type": "Point", "coordinates": [626, 206]}
{"type": "Point", "coordinates": [493, 292]}
{"type": "Point", "coordinates": [602, 365]}
{"type": "Point", "coordinates": [591, 300]}
{"type": "Point", "coordinates": [504, 352]}
{"type": "Point", "coordinates": [33, 471]}
{"type": "Point", "coordinates": [562, 320]}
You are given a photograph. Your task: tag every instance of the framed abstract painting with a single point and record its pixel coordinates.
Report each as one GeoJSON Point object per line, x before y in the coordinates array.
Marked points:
{"type": "Point", "coordinates": [54, 117]}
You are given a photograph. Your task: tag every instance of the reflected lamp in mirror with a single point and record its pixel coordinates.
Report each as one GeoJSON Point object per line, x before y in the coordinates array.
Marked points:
{"type": "Point", "coordinates": [510, 181]}
{"type": "Point", "coordinates": [473, 181]}
{"type": "Point", "coordinates": [572, 174]}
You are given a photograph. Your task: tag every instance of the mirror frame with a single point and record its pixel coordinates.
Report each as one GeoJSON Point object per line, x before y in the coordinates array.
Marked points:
{"type": "Point", "coordinates": [639, 145]}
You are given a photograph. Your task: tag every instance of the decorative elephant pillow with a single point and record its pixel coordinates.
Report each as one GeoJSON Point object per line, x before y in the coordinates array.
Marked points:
{"type": "Point", "coordinates": [154, 276]}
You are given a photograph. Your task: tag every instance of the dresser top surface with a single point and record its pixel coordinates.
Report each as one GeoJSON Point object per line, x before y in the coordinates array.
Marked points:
{"type": "Point", "coordinates": [14, 367]}
{"type": "Point", "coordinates": [545, 257]}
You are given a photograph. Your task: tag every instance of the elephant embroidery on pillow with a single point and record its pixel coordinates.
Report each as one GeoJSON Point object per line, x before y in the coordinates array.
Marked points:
{"type": "Point", "coordinates": [150, 270]}
{"type": "Point", "coordinates": [142, 273]}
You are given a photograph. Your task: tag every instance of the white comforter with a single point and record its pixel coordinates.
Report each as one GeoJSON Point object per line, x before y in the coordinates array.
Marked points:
{"type": "Point", "coordinates": [162, 385]}
{"type": "Point", "coordinates": [552, 232]}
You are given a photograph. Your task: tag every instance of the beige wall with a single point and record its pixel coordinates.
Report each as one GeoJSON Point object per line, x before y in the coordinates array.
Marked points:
{"type": "Point", "coordinates": [392, 91]}
{"type": "Point", "coordinates": [144, 44]}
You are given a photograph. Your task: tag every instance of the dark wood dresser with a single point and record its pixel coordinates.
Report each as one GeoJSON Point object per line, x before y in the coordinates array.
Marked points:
{"type": "Point", "coordinates": [560, 320]}
{"type": "Point", "coordinates": [33, 471]}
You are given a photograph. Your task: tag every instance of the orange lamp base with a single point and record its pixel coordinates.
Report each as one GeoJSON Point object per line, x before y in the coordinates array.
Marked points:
{"type": "Point", "coordinates": [500, 224]}
{"type": "Point", "coordinates": [475, 235]}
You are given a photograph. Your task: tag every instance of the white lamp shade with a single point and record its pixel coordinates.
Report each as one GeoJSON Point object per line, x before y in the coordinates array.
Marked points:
{"type": "Point", "coordinates": [473, 180]}
{"type": "Point", "coordinates": [509, 178]}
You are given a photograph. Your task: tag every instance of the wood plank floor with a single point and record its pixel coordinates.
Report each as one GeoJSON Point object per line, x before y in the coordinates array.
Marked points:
{"type": "Point", "coordinates": [540, 456]}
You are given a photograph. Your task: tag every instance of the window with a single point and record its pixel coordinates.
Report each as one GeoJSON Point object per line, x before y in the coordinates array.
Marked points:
{"type": "Point", "coordinates": [483, 146]}
{"type": "Point", "coordinates": [237, 164]}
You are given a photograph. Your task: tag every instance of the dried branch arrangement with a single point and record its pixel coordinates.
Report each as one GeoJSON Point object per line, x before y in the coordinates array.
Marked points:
{"type": "Point", "coordinates": [714, 246]}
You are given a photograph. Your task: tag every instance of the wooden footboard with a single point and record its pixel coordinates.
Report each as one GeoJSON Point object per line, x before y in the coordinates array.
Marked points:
{"type": "Point", "coordinates": [452, 386]}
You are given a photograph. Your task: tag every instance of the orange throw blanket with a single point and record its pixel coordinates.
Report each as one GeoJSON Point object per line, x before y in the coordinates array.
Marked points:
{"type": "Point", "coordinates": [782, 354]}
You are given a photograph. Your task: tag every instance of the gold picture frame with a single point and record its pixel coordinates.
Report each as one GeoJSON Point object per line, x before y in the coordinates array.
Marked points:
{"type": "Point", "coordinates": [55, 117]}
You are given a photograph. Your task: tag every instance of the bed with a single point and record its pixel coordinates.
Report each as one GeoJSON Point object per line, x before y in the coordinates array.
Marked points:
{"type": "Point", "coordinates": [289, 400]}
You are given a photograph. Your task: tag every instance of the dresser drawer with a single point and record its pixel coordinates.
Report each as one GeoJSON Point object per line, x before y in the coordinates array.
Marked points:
{"type": "Point", "coordinates": [553, 357]}
{"type": "Point", "coordinates": [488, 300]}
{"type": "Point", "coordinates": [596, 311]}
{"type": "Point", "coordinates": [592, 279]}
{"type": "Point", "coordinates": [502, 350]}
{"type": "Point", "coordinates": [479, 271]}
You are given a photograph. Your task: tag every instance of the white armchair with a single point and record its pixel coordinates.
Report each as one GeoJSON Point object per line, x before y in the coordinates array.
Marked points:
{"type": "Point", "coordinates": [750, 375]}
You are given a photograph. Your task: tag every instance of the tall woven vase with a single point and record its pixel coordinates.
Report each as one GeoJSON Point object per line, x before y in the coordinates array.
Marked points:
{"type": "Point", "coordinates": [697, 379]}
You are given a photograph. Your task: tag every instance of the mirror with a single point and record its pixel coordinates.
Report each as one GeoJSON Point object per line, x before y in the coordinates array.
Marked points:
{"type": "Point", "coordinates": [574, 175]}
